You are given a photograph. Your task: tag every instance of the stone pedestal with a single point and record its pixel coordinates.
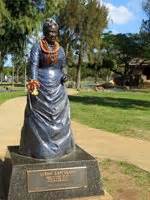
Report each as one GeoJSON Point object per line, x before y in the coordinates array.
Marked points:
{"type": "Point", "coordinates": [1, 181]}
{"type": "Point", "coordinates": [75, 175]}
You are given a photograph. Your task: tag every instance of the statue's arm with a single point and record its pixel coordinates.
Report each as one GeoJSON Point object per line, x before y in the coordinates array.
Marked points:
{"type": "Point", "coordinates": [33, 83]}
{"type": "Point", "coordinates": [64, 66]}
{"type": "Point", "coordinates": [34, 62]}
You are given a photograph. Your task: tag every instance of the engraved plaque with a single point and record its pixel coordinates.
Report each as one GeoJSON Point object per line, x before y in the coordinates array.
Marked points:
{"type": "Point", "coordinates": [56, 179]}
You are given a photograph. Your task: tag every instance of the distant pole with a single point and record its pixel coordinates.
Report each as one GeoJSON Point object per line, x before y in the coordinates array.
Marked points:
{"type": "Point", "coordinates": [13, 73]}
{"type": "Point", "coordinates": [25, 72]}
{"type": "Point", "coordinates": [25, 78]}
{"type": "Point", "coordinates": [1, 75]}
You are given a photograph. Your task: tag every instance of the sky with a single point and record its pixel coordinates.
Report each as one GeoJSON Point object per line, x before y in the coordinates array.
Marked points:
{"type": "Point", "coordinates": [125, 16]}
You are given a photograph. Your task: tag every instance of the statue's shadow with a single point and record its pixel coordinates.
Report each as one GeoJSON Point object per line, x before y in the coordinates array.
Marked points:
{"type": "Point", "coordinates": [1, 181]}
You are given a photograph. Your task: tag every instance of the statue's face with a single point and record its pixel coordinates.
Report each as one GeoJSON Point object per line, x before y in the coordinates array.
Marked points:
{"type": "Point", "coordinates": [51, 34]}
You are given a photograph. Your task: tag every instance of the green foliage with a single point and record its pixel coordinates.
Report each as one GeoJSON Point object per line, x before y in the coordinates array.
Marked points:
{"type": "Point", "coordinates": [20, 63]}
{"type": "Point", "coordinates": [7, 71]}
{"type": "Point", "coordinates": [145, 29]}
{"type": "Point", "coordinates": [3, 16]}
{"type": "Point", "coordinates": [4, 96]}
{"type": "Point", "coordinates": [52, 7]}
{"type": "Point", "coordinates": [81, 23]}
{"type": "Point", "coordinates": [120, 50]}
{"type": "Point", "coordinates": [128, 46]}
{"type": "Point", "coordinates": [146, 23]}
{"type": "Point", "coordinates": [20, 19]}
{"type": "Point", "coordinates": [23, 18]}
{"type": "Point", "coordinates": [123, 47]}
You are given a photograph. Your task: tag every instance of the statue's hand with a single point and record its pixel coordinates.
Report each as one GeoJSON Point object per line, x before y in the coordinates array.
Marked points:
{"type": "Point", "coordinates": [33, 86]}
{"type": "Point", "coordinates": [64, 78]}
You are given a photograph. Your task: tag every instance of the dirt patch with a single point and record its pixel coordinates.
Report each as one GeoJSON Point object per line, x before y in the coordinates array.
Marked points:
{"type": "Point", "coordinates": [123, 186]}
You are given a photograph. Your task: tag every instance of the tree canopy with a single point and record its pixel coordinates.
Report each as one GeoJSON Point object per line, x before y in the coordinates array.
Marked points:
{"type": "Point", "coordinates": [120, 50]}
{"type": "Point", "coordinates": [145, 29]}
{"type": "Point", "coordinates": [81, 23]}
{"type": "Point", "coordinates": [18, 19]}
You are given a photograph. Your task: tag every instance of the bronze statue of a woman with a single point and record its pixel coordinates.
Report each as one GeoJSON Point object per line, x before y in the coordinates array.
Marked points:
{"type": "Point", "coordinates": [46, 133]}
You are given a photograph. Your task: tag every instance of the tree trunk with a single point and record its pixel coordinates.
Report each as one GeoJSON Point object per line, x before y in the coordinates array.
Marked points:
{"type": "Point", "coordinates": [17, 75]}
{"type": "Point", "coordinates": [1, 68]}
{"type": "Point", "coordinates": [96, 76]}
{"type": "Point", "coordinates": [25, 77]}
{"type": "Point", "coordinates": [67, 50]}
{"type": "Point", "coordinates": [1, 77]}
{"type": "Point", "coordinates": [78, 73]}
{"type": "Point", "coordinates": [13, 77]}
{"type": "Point", "coordinates": [96, 73]}
{"type": "Point", "coordinates": [125, 74]}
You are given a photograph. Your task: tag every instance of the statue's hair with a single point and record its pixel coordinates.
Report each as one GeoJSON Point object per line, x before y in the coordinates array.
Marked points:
{"type": "Point", "coordinates": [49, 22]}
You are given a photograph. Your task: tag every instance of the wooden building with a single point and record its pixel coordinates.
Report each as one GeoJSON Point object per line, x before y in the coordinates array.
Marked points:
{"type": "Point", "coordinates": [140, 69]}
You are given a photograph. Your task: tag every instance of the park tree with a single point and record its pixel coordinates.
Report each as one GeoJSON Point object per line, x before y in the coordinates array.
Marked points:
{"type": "Point", "coordinates": [19, 62]}
{"type": "Point", "coordinates": [146, 23]}
{"type": "Point", "coordinates": [95, 61]}
{"type": "Point", "coordinates": [20, 19]}
{"type": "Point", "coordinates": [4, 15]}
{"type": "Point", "coordinates": [120, 49]}
{"type": "Point", "coordinates": [81, 23]}
{"type": "Point", "coordinates": [145, 29]}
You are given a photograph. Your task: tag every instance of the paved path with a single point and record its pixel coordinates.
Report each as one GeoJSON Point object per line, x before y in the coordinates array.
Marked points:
{"type": "Point", "coordinates": [99, 143]}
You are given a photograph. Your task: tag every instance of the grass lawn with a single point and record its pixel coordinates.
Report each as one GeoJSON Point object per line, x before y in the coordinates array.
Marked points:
{"type": "Point", "coordinates": [124, 113]}
{"type": "Point", "coordinates": [125, 181]}
{"type": "Point", "coordinates": [9, 95]}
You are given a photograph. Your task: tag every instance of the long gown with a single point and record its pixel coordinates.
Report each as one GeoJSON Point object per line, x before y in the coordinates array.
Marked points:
{"type": "Point", "coordinates": [46, 133]}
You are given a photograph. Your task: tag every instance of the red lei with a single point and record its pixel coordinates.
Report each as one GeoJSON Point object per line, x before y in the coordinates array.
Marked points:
{"type": "Point", "coordinates": [52, 53]}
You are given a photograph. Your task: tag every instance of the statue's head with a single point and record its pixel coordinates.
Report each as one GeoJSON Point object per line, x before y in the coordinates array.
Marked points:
{"type": "Point", "coordinates": [50, 30]}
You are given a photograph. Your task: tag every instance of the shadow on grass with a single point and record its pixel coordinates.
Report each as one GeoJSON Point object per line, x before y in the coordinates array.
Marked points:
{"type": "Point", "coordinates": [123, 103]}
{"type": "Point", "coordinates": [140, 90]}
